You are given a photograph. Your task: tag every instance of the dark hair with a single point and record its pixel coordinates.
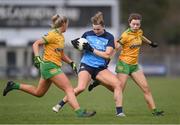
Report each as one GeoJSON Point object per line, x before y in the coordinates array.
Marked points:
{"type": "Point", "coordinates": [97, 19]}
{"type": "Point", "coordinates": [58, 21]}
{"type": "Point", "coordinates": [135, 16]}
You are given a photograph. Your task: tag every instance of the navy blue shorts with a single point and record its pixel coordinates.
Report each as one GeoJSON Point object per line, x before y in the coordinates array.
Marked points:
{"type": "Point", "coordinates": [92, 70]}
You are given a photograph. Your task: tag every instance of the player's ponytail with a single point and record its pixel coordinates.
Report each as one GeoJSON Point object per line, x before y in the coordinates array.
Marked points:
{"type": "Point", "coordinates": [97, 19]}
{"type": "Point", "coordinates": [58, 21]}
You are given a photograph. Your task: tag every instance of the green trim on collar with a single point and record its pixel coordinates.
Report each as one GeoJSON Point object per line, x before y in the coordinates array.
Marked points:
{"type": "Point", "coordinates": [45, 40]}
{"type": "Point", "coordinates": [129, 30]}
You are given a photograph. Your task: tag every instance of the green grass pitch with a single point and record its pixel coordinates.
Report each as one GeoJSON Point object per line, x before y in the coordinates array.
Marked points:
{"type": "Point", "coordinates": [21, 108]}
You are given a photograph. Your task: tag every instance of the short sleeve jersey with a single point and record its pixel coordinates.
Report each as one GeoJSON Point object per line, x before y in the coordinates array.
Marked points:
{"type": "Point", "coordinates": [100, 43]}
{"type": "Point", "coordinates": [130, 42]}
{"type": "Point", "coordinates": [54, 46]}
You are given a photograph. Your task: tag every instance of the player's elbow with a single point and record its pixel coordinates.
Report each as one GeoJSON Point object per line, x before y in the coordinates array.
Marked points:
{"type": "Point", "coordinates": [108, 53]}
{"type": "Point", "coordinates": [39, 94]}
{"type": "Point", "coordinates": [107, 56]}
{"type": "Point", "coordinates": [36, 43]}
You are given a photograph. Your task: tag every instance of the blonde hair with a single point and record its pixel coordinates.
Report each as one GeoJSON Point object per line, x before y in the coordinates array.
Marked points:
{"type": "Point", "coordinates": [97, 19]}
{"type": "Point", "coordinates": [58, 21]}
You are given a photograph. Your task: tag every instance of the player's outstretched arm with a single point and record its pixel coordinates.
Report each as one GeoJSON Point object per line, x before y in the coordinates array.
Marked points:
{"type": "Point", "coordinates": [69, 61]}
{"type": "Point", "coordinates": [37, 59]}
{"type": "Point", "coordinates": [152, 44]}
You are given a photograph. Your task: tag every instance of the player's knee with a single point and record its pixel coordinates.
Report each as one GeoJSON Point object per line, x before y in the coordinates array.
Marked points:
{"type": "Point", "coordinates": [119, 83]}
{"type": "Point", "coordinates": [117, 86]}
{"type": "Point", "coordinates": [39, 95]}
{"type": "Point", "coordinates": [69, 90]}
{"type": "Point", "coordinates": [146, 90]}
{"type": "Point", "coordinates": [80, 89]}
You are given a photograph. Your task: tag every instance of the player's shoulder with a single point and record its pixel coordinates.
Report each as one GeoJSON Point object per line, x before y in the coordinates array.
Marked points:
{"type": "Point", "coordinates": [109, 34]}
{"type": "Point", "coordinates": [140, 31]}
{"type": "Point", "coordinates": [126, 33]}
{"type": "Point", "coordinates": [52, 32]}
{"type": "Point", "coordinates": [89, 32]}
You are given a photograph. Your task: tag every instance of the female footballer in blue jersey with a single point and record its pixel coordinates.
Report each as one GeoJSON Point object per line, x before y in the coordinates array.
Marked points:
{"type": "Point", "coordinates": [96, 56]}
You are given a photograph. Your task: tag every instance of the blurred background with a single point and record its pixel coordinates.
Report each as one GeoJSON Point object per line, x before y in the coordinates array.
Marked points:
{"type": "Point", "coordinates": [24, 21]}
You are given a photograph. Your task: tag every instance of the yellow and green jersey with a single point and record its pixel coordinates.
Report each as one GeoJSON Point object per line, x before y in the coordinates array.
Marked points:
{"type": "Point", "coordinates": [54, 45]}
{"type": "Point", "coordinates": [130, 42]}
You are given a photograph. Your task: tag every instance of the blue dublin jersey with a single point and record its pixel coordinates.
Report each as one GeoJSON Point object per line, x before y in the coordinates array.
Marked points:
{"type": "Point", "coordinates": [100, 43]}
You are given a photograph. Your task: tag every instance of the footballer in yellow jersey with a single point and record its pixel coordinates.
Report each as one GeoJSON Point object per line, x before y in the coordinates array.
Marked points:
{"type": "Point", "coordinates": [127, 64]}
{"type": "Point", "coordinates": [50, 67]}
{"type": "Point", "coordinates": [54, 46]}
{"type": "Point", "coordinates": [130, 42]}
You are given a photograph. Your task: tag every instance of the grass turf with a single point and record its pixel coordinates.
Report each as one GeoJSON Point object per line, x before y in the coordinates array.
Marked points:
{"type": "Point", "coordinates": [20, 108]}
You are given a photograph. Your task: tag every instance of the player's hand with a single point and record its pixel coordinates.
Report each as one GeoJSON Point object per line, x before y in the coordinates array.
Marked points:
{"type": "Point", "coordinates": [153, 44]}
{"type": "Point", "coordinates": [88, 47]}
{"type": "Point", "coordinates": [37, 61]}
{"type": "Point", "coordinates": [75, 43]}
{"type": "Point", "coordinates": [74, 67]}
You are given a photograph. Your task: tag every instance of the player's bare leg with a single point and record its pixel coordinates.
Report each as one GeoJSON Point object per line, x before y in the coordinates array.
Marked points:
{"type": "Point", "coordinates": [70, 95]}
{"type": "Point", "coordinates": [38, 91]}
{"type": "Point", "coordinates": [109, 79]}
{"type": "Point", "coordinates": [141, 81]}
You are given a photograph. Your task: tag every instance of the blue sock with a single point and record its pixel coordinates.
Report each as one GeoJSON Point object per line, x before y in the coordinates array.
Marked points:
{"type": "Point", "coordinates": [61, 103]}
{"type": "Point", "coordinates": [119, 110]}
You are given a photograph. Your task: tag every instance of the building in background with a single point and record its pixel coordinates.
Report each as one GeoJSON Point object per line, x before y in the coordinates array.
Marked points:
{"type": "Point", "coordinates": [24, 21]}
